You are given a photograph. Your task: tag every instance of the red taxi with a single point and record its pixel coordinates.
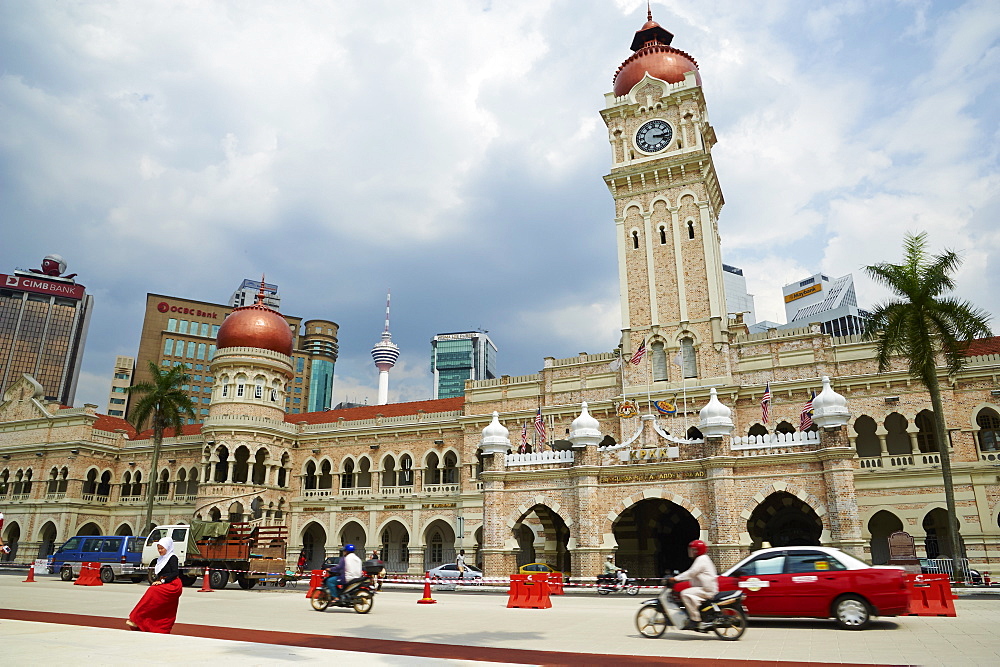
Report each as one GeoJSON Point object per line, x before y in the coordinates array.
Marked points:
{"type": "Point", "coordinates": [817, 582]}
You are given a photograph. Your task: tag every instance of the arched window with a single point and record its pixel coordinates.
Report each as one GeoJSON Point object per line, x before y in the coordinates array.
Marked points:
{"type": "Point", "coordinates": [53, 481]}
{"type": "Point", "coordinates": [137, 483]}
{"type": "Point", "coordinates": [694, 434]}
{"type": "Point", "coordinates": [258, 389]}
{"type": "Point", "coordinates": [926, 437]}
{"type": "Point", "coordinates": [690, 226]}
{"type": "Point", "coordinates": [989, 430]}
{"type": "Point", "coordinates": [163, 487]}
{"type": "Point", "coordinates": [406, 471]}
{"type": "Point", "coordinates": [663, 235]}
{"type": "Point", "coordinates": [433, 473]}
{"type": "Point", "coordinates": [214, 514]}
{"type": "Point", "coordinates": [325, 475]}
{"type": "Point", "coordinates": [104, 487]}
{"type": "Point", "coordinates": [689, 361]}
{"type": "Point", "coordinates": [389, 471]}
{"type": "Point", "coordinates": [757, 430]}
{"type": "Point", "coordinates": [784, 427]}
{"type": "Point", "coordinates": [635, 240]}
{"type": "Point", "coordinates": [449, 474]}
{"type": "Point", "coordinates": [658, 359]}
{"type": "Point", "coordinates": [4, 477]}
{"type": "Point", "coordinates": [867, 442]}
{"type": "Point", "coordinates": [364, 476]}
{"type": "Point", "coordinates": [90, 484]}
{"type": "Point", "coordinates": [347, 476]}
{"type": "Point", "coordinates": [309, 480]}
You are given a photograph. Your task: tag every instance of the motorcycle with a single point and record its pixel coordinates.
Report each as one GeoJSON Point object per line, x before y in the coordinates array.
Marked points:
{"type": "Point", "coordinates": [723, 613]}
{"type": "Point", "coordinates": [610, 583]}
{"type": "Point", "coordinates": [359, 594]}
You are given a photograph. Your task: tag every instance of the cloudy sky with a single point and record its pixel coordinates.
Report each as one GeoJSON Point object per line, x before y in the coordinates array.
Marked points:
{"type": "Point", "coordinates": [452, 151]}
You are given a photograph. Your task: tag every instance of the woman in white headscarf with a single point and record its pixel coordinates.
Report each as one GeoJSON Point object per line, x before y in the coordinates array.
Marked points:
{"type": "Point", "coordinates": [157, 610]}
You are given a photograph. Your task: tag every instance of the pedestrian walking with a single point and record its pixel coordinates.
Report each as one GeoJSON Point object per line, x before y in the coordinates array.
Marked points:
{"type": "Point", "coordinates": [157, 610]}
{"type": "Point", "coordinates": [300, 566]}
{"type": "Point", "coordinates": [4, 549]}
{"type": "Point", "coordinates": [460, 563]}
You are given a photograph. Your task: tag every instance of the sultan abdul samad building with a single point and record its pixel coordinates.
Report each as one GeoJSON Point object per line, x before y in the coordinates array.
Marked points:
{"type": "Point", "coordinates": [420, 480]}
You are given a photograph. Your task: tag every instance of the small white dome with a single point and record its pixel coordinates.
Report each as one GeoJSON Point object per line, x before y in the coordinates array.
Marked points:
{"type": "Point", "coordinates": [585, 430]}
{"type": "Point", "coordinates": [830, 408]}
{"type": "Point", "coordinates": [496, 438]}
{"type": "Point", "coordinates": [716, 418]}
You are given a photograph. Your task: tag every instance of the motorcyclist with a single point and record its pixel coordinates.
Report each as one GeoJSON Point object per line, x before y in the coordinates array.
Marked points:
{"type": "Point", "coordinates": [352, 566]}
{"type": "Point", "coordinates": [610, 569]}
{"type": "Point", "coordinates": [334, 575]}
{"type": "Point", "coordinates": [704, 584]}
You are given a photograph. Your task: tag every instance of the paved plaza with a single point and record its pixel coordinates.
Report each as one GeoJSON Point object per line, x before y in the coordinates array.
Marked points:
{"type": "Point", "coordinates": [52, 621]}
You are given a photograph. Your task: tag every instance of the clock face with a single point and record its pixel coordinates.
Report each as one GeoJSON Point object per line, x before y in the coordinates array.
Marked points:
{"type": "Point", "coordinates": [654, 136]}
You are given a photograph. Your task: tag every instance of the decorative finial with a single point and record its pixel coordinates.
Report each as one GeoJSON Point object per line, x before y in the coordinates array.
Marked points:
{"type": "Point", "coordinates": [649, 12]}
{"type": "Point", "coordinates": [388, 294]}
{"type": "Point", "coordinates": [260, 292]}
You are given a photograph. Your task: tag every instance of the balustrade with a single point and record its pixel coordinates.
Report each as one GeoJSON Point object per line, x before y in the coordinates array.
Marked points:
{"type": "Point", "coordinates": [442, 488]}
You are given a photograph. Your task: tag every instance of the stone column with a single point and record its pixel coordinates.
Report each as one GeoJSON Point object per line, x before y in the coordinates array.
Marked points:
{"type": "Point", "coordinates": [416, 562]}
{"type": "Point", "coordinates": [498, 558]}
{"type": "Point", "coordinates": [723, 520]}
{"type": "Point", "coordinates": [881, 434]}
{"type": "Point", "coordinates": [842, 516]}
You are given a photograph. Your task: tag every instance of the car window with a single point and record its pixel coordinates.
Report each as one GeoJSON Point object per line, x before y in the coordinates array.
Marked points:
{"type": "Point", "coordinates": [134, 545]}
{"type": "Point", "coordinates": [179, 535]}
{"type": "Point", "coordinates": [155, 536]}
{"type": "Point", "coordinates": [110, 546]}
{"type": "Point", "coordinates": [768, 564]}
{"type": "Point", "coordinates": [72, 544]}
{"type": "Point", "coordinates": [531, 568]}
{"type": "Point", "coordinates": [811, 561]}
{"type": "Point", "coordinates": [449, 567]}
{"type": "Point", "coordinates": [473, 568]}
{"type": "Point", "coordinates": [92, 545]}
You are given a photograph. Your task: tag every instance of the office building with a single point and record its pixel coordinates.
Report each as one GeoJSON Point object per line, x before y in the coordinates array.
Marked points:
{"type": "Point", "coordinates": [738, 300]}
{"type": "Point", "coordinates": [248, 291]}
{"type": "Point", "coordinates": [43, 327]}
{"type": "Point", "coordinates": [818, 299]}
{"type": "Point", "coordinates": [457, 357]}
{"type": "Point", "coordinates": [122, 380]}
{"type": "Point", "coordinates": [177, 330]}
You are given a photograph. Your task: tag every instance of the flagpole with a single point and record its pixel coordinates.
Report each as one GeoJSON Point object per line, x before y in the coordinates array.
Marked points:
{"type": "Point", "coordinates": [649, 382]}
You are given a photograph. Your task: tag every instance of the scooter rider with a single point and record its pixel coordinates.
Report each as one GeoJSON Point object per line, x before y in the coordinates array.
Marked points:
{"type": "Point", "coordinates": [611, 569]}
{"type": "Point", "coordinates": [704, 584]}
{"type": "Point", "coordinates": [335, 574]}
{"type": "Point", "coordinates": [352, 565]}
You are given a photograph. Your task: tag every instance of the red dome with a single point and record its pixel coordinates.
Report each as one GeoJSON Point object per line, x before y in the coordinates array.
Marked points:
{"type": "Point", "coordinates": [256, 326]}
{"type": "Point", "coordinates": [653, 54]}
{"type": "Point", "coordinates": [661, 61]}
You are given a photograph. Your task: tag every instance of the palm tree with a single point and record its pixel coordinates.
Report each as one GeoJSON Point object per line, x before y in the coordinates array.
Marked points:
{"type": "Point", "coordinates": [163, 401]}
{"type": "Point", "coordinates": [921, 325]}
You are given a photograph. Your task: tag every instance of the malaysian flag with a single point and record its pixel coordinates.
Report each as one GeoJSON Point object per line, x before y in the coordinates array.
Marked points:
{"type": "Point", "coordinates": [540, 426]}
{"type": "Point", "coordinates": [765, 404]}
{"type": "Point", "coordinates": [805, 417]}
{"type": "Point", "coordinates": [523, 449]}
{"type": "Point", "coordinates": [639, 354]}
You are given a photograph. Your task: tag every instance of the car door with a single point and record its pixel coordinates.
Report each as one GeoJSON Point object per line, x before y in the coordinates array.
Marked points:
{"type": "Point", "coordinates": [761, 579]}
{"type": "Point", "coordinates": [110, 547]}
{"type": "Point", "coordinates": [815, 578]}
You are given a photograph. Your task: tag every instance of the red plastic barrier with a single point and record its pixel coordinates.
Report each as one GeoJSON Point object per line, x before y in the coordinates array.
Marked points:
{"type": "Point", "coordinates": [90, 575]}
{"type": "Point", "coordinates": [556, 584]}
{"type": "Point", "coordinates": [526, 593]}
{"type": "Point", "coordinates": [316, 581]}
{"type": "Point", "coordinates": [930, 595]}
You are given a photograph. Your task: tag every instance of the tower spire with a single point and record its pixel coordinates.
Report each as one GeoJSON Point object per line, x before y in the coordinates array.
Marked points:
{"type": "Point", "coordinates": [384, 354]}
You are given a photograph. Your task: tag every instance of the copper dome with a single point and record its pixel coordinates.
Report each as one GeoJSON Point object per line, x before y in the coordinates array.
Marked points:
{"type": "Point", "coordinates": [653, 54]}
{"type": "Point", "coordinates": [256, 326]}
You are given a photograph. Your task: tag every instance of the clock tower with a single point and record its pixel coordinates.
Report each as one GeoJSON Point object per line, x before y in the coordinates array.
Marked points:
{"type": "Point", "coordinates": [667, 203]}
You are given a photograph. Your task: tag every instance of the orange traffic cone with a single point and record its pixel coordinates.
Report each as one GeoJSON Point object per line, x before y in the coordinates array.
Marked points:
{"type": "Point", "coordinates": [427, 599]}
{"type": "Point", "coordinates": [31, 575]}
{"type": "Point", "coordinates": [205, 588]}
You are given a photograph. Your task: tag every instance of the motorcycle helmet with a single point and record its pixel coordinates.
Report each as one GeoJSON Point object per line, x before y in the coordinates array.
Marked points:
{"type": "Point", "coordinates": [610, 557]}
{"type": "Point", "coordinates": [349, 548]}
{"type": "Point", "coordinates": [699, 547]}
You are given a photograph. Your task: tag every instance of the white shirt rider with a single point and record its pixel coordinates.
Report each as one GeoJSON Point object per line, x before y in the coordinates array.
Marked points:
{"type": "Point", "coordinates": [703, 577]}
{"type": "Point", "coordinates": [352, 567]}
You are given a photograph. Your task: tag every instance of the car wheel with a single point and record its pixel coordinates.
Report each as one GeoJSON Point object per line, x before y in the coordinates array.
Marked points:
{"type": "Point", "coordinates": [852, 612]}
{"type": "Point", "coordinates": [107, 575]}
{"type": "Point", "coordinates": [650, 621]}
{"type": "Point", "coordinates": [731, 624]}
{"type": "Point", "coordinates": [66, 574]}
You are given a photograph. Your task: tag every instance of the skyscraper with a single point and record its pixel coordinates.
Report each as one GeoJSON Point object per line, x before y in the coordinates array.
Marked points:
{"type": "Point", "coordinates": [384, 354]}
{"type": "Point", "coordinates": [44, 317]}
{"type": "Point", "coordinates": [246, 294]}
{"type": "Point", "coordinates": [118, 396]}
{"type": "Point", "coordinates": [461, 356]}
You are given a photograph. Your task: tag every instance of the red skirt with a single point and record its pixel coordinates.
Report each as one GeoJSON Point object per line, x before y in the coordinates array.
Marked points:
{"type": "Point", "coordinates": [157, 610]}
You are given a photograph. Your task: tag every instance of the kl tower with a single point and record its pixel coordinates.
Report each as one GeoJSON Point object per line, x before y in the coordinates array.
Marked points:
{"type": "Point", "coordinates": [385, 354]}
